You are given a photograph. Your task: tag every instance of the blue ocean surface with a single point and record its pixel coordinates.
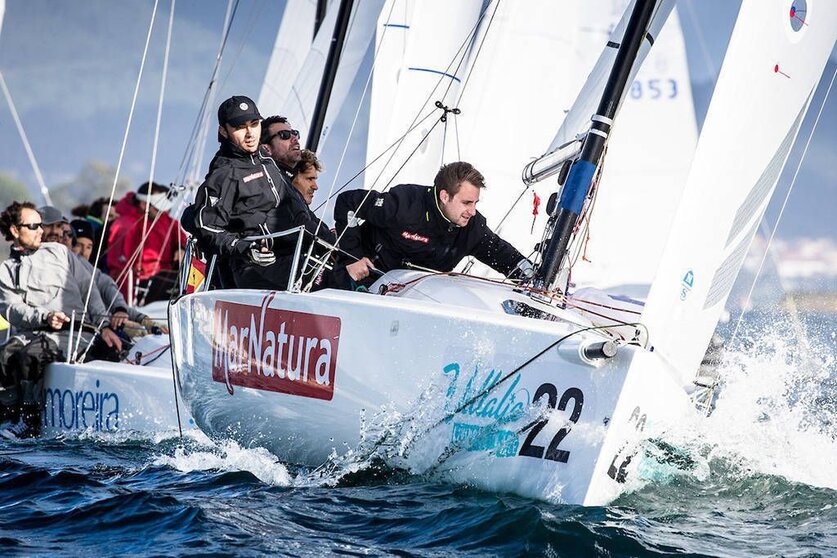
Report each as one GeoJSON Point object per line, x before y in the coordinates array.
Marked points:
{"type": "Point", "coordinates": [756, 478]}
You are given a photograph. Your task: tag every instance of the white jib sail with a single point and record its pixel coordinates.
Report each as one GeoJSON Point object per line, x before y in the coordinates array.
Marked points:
{"type": "Point", "coordinates": [293, 40]}
{"type": "Point", "coordinates": [432, 68]}
{"type": "Point", "coordinates": [644, 172]}
{"type": "Point", "coordinates": [774, 61]}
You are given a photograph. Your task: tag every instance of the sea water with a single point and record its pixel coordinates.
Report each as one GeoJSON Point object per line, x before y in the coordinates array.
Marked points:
{"type": "Point", "coordinates": [756, 478]}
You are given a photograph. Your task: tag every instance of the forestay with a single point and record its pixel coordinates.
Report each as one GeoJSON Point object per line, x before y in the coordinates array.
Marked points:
{"type": "Point", "coordinates": [774, 61]}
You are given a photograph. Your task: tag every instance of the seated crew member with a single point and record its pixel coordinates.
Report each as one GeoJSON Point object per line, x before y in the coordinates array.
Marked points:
{"type": "Point", "coordinates": [428, 226]}
{"type": "Point", "coordinates": [53, 223]}
{"type": "Point", "coordinates": [41, 285]}
{"type": "Point", "coordinates": [85, 238]}
{"type": "Point", "coordinates": [119, 310]}
{"type": "Point", "coordinates": [239, 190]}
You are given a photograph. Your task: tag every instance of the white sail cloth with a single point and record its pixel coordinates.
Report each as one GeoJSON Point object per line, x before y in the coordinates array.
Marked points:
{"type": "Point", "coordinates": [293, 41]}
{"type": "Point", "coordinates": [774, 61]}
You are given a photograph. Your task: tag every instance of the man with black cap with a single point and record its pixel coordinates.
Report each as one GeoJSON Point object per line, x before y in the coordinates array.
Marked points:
{"type": "Point", "coordinates": [239, 190]}
{"type": "Point", "coordinates": [85, 238]}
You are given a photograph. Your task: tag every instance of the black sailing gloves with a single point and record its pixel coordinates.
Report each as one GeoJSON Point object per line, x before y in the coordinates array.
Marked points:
{"type": "Point", "coordinates": [259, 254]}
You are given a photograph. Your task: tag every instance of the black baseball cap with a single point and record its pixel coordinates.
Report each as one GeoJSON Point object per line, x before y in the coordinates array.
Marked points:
{"type": "Point", "coordinates": [237, 110]}
{"type": "Point", "coordinates": [83, 228]}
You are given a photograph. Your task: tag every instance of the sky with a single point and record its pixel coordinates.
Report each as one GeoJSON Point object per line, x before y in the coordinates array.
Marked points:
{"type": "Point", "coordinates": [71, 68]}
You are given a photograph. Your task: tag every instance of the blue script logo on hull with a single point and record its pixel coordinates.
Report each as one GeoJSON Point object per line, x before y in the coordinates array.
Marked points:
{"type": "Point", "coordinates": [483, 401]}
{"type": "Point", "coordinates": [81, 410]}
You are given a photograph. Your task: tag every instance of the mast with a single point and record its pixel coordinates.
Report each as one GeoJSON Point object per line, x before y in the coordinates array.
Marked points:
{"type": "Point", "coordinates": [332, 60]}
{"type": "Point", "coordinates": [319, 15]}
{"type": "Point", "coordinates": [584, 169]}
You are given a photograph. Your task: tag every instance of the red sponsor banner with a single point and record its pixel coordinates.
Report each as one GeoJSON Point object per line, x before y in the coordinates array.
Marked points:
{"type": "Point", "coordinates": [274, 350]}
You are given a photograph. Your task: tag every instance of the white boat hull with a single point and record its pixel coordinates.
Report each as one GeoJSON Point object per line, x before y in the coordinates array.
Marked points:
{"type": "Point", "coordinates": [411, 368]}
{"type": "Point", "coordinates": [113, 398]}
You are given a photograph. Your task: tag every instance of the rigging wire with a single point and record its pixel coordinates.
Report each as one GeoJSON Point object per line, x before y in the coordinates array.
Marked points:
{"type": "Point", "coordinates": [417, 121]}
{"type": "Point", "coordinates": [192, 152]}
{"type": "Point", "coordinates": [155, 143]}
{"type": "Point", "coordinates": [460, 55]}
{"type": "Point", "coordinates": [29, 153]}
{"type": "Point", "coordinates": [119, 164]}
{"type": "Point", "coordinates": [782, 210]}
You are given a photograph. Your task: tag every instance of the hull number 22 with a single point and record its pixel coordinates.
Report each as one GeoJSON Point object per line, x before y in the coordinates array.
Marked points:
{"type": "Point", "coordinates": [552, 452]}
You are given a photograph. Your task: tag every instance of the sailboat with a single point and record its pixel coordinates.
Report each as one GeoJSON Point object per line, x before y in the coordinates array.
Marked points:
{"type": "Point", "coordinates": [523, 388]}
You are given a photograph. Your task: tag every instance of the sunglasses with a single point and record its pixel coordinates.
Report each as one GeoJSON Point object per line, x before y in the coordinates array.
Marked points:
{"type": "Point", "coordinates": [31, 226]}
{"type": "Point", "coordinates": [283, 135]}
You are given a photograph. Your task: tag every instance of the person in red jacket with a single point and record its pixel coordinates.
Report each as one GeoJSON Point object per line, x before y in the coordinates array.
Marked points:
{"type": "Point", "coordinates": [151, 266]}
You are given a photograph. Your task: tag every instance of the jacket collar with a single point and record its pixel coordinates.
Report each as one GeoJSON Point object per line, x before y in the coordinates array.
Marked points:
{"type": "Point", "coordinates": [229, 149]}
{"type": "Point", "coordinates": [434, 211]}
{"type": "Point", "coordinates": [17, 253]}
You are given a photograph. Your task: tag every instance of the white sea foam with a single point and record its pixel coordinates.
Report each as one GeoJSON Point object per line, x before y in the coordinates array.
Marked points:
{"type": "Point", "coordinates": [775, 411]}
{"type": "Point", "coordinates": [228, 456]}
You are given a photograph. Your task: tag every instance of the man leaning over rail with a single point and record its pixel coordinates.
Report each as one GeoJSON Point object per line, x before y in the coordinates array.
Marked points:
{"type": "Point", "coordinates": [425, 226]}
{"type": "Point", "coordinates": [300, 170]}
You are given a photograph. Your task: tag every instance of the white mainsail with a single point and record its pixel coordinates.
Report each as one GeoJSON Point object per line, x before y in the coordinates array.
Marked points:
{"type": "Point", "coordinates": [293, 41]}
{"type": "Point", "coordinates": [390, 48]}
{"type": "Point", "coordinates": [774, 61]}
{"type": "Point", "coordinates": [432, 69]}
{"type": "Point", "coordinates": [518, 89]}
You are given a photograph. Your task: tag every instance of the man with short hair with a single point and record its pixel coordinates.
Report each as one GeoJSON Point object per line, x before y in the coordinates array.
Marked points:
{"type": "Point", "coordinates": [281, 142]}
{"type": "Point", "coordinates": [426, 226]}
{"type": "Point", "coordinates": [294, 211]}
{"type": "Point", "coordinates": [239, 190]}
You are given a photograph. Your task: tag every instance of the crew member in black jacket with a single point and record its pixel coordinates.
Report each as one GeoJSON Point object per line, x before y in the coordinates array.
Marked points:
{"type": "Point", "coordinates": [233, 202]}
{"type": "Point", "coordinates": [428, 226]}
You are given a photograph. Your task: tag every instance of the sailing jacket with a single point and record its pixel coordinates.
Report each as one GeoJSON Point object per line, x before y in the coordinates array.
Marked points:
{"type": "Point", "coordinates": [405, 225]}
{"type": "Point", "coordinates": [238, 192]}
{"type": "Point", "coordinates": [163, 241]}
{"type": "Point", "coordinates": [49, 279]}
